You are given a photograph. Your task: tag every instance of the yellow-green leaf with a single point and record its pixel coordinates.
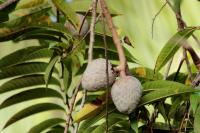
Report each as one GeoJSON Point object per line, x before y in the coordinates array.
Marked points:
{"type": "Point", "coordinates": [88, 110]}
{"type": "Point", "coordinates": [172, 46]}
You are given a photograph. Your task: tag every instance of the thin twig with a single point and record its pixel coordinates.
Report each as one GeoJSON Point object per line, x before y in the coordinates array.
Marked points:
{"type": "Point", "coordinates": [7, 3]}
{"type": "Point", "coordinates": [117, 42]}
{"type": "Point", "coordinates": [168, 69]}
{"type": "Point", "coordinates": [107, 74]}
{"type": "Point", "coordinates": [81, 106]}
{"type": "Point", "coordinates": [83, 99]}
{"type": "Point", "coordinates": [179, 68]}
{"type": "Point", "coordinates": [171, 6]}
{"type": "Point", "coordinates": [186, 115]}
{"type": "Point", "coordinates": [156, 15]}
{"type": "Point", "coordinates": [187, 64]}
{"type": "Point", "coordinates": [187, 119]}
{"type": "Point", "coordinates": [196, 80]}
{"type": "Point", "coordinates": [92, 39]}
{"type": "Point", "coordinates": [67, 102]}
{"type": "Point", "coordinates": [71, 106]}
{"type": "Point", "coordinates": [182, 122]}
{"type": "Point", "coordinates": [57, 16]}
{"type": "Point", "coordinates": [92, 29]}
{"type": "Point", "coordinates": [195, 57]}
{"type": "Point", "coordinates": [82, 39]}
{"type": "Point", "coordinates": [91, 45]}
{"type": "Point", "coordinates": [63, 50]}
{"type": "Point", "coordinates": [153, 118]}
{"type": "Point", "coordinates": [58, 19]}
{"type": "Point", "coordinates": [196, 39]}
{"type": "Point", "coordinates": [83, 21]}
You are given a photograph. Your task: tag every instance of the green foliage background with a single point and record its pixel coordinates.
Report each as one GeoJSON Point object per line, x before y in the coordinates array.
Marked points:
{"type": "Point", "coordinates": [136, 23]}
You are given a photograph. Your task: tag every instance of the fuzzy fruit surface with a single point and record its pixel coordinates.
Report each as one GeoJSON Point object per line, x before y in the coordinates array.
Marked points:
{"type": "Point", "coordinates": [94, 76]}
{"type": "Point", "coordinates": [74, 31]}
{"type": "Point", "coordinates": [126, 93]}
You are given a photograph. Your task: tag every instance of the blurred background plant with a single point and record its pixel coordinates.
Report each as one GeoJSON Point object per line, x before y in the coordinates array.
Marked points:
{"type": "Point", "coordinates": [132, 18]}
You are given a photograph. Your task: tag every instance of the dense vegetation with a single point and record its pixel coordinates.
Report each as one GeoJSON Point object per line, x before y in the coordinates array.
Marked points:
{"type": "Point", "coordinates": [53, 70]}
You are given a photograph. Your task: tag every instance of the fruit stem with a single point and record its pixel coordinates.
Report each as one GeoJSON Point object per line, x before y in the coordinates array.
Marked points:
{"type": "Point", "coordinates": [92, 28]}
{"type": "Point", "coordinates": [117, 42]}
{"type": "Point", "coordinates": [72, 103]}
{"type": "Point", "coordinates": [83, 21]}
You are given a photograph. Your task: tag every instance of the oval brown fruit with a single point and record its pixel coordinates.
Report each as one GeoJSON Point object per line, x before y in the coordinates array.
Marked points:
{"type": "Point", "coordinates": [94, 76]}
{"type": "Point", "coordinates": [126, 93]}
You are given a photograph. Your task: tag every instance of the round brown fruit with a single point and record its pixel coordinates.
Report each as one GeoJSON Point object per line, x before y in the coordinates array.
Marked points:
{"type": "Point", "coordinates": [74, 31]}
{"type": "Point", "coordinates": [94, 77]}
{"type": "Point", "coordinates": [126, 93]}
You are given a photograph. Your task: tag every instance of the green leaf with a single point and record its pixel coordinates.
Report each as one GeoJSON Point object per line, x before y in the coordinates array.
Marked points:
{"type": "Point", "coordinates": [17, 56]}
{"type": "Point", "coordinates": [90, 121]}
{"type": "Point", "coordinates": [4, 17]}
{"type": "Point", "coordinates": [24, 69]}
{"type": "Point", "coordinates": [75, 58]}
{"type": "Point", "coordinates": [164, 93]}
{"type": "Point", "coordinates": [161, 84]}
{"type": "Point", "coordinates": [134, 126]}
{"type": "Point", "coordinates": [90, 129]}
{"type": "Point", "coordinates": [26, 81]}
{"type": "Point", "coordinates": [20, 12]}
{"type": "Point", "coordinates": [38, 36]}
{"type": "Point", "coordinates": [162, 110]}
{"type": "Point", "coordinates": [112, 55]}
{"type": "Point", "coordinates": [56, 129]}
{"type": "Point", "coordinates": [49, 69]}
{"type": "Point", "coordinates": [122, 126]}
{"type": "Point", "coordinates": [162, 127]}
{"type": "Point", "coordinates": [146, 74]}
{"type": "Point", "coordinates": [89, 109]}
{"type": "Point", "coordinates": [194, 101]}
{"type": "Point", "coordinates": [38, 54]}
{"type": "Point", "coordinates": [181, 77]}
{"type": "Point", "coordinates": [197, 120]}
{"type": "Point", "coordinates": [174, 107]}
{"type": "Point", "coordinates": [99, 29]}
{"type": "Point", "coordinates": [28, 4]}
{"type": "Point", "coordinates": [44, 33]}
{"type": "Point", "coordinates": [10, 27]}
{"type": "Point", "coordinates": [30, 95]}
{"type": "Point", "coordinates": [66, 78]}
{"type": "Point", "coordinates": [17, 27]}
{"type": "Point", "coordinates": [172, 46]}
{"type": "Point", "coordinates": [111, 47]}
{"type": "Point", "coordinates": [6, 10]}
{"type": "Point", "coordinates": [34, 109]}
{"type": "Point", "coordinates": [114, 119]}
{"type": "Point", "coordinates": [45, 125]}
{"type": "Point", "coordinates": [69, 13]}
{"type": "Point", "coordinates": [102, 128]}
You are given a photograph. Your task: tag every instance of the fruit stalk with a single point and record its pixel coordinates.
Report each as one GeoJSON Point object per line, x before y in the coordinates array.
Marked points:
{"type": "Point", "coordinates": [92, 29]}
{"type": "Point", "coordinates": [117, 42]}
